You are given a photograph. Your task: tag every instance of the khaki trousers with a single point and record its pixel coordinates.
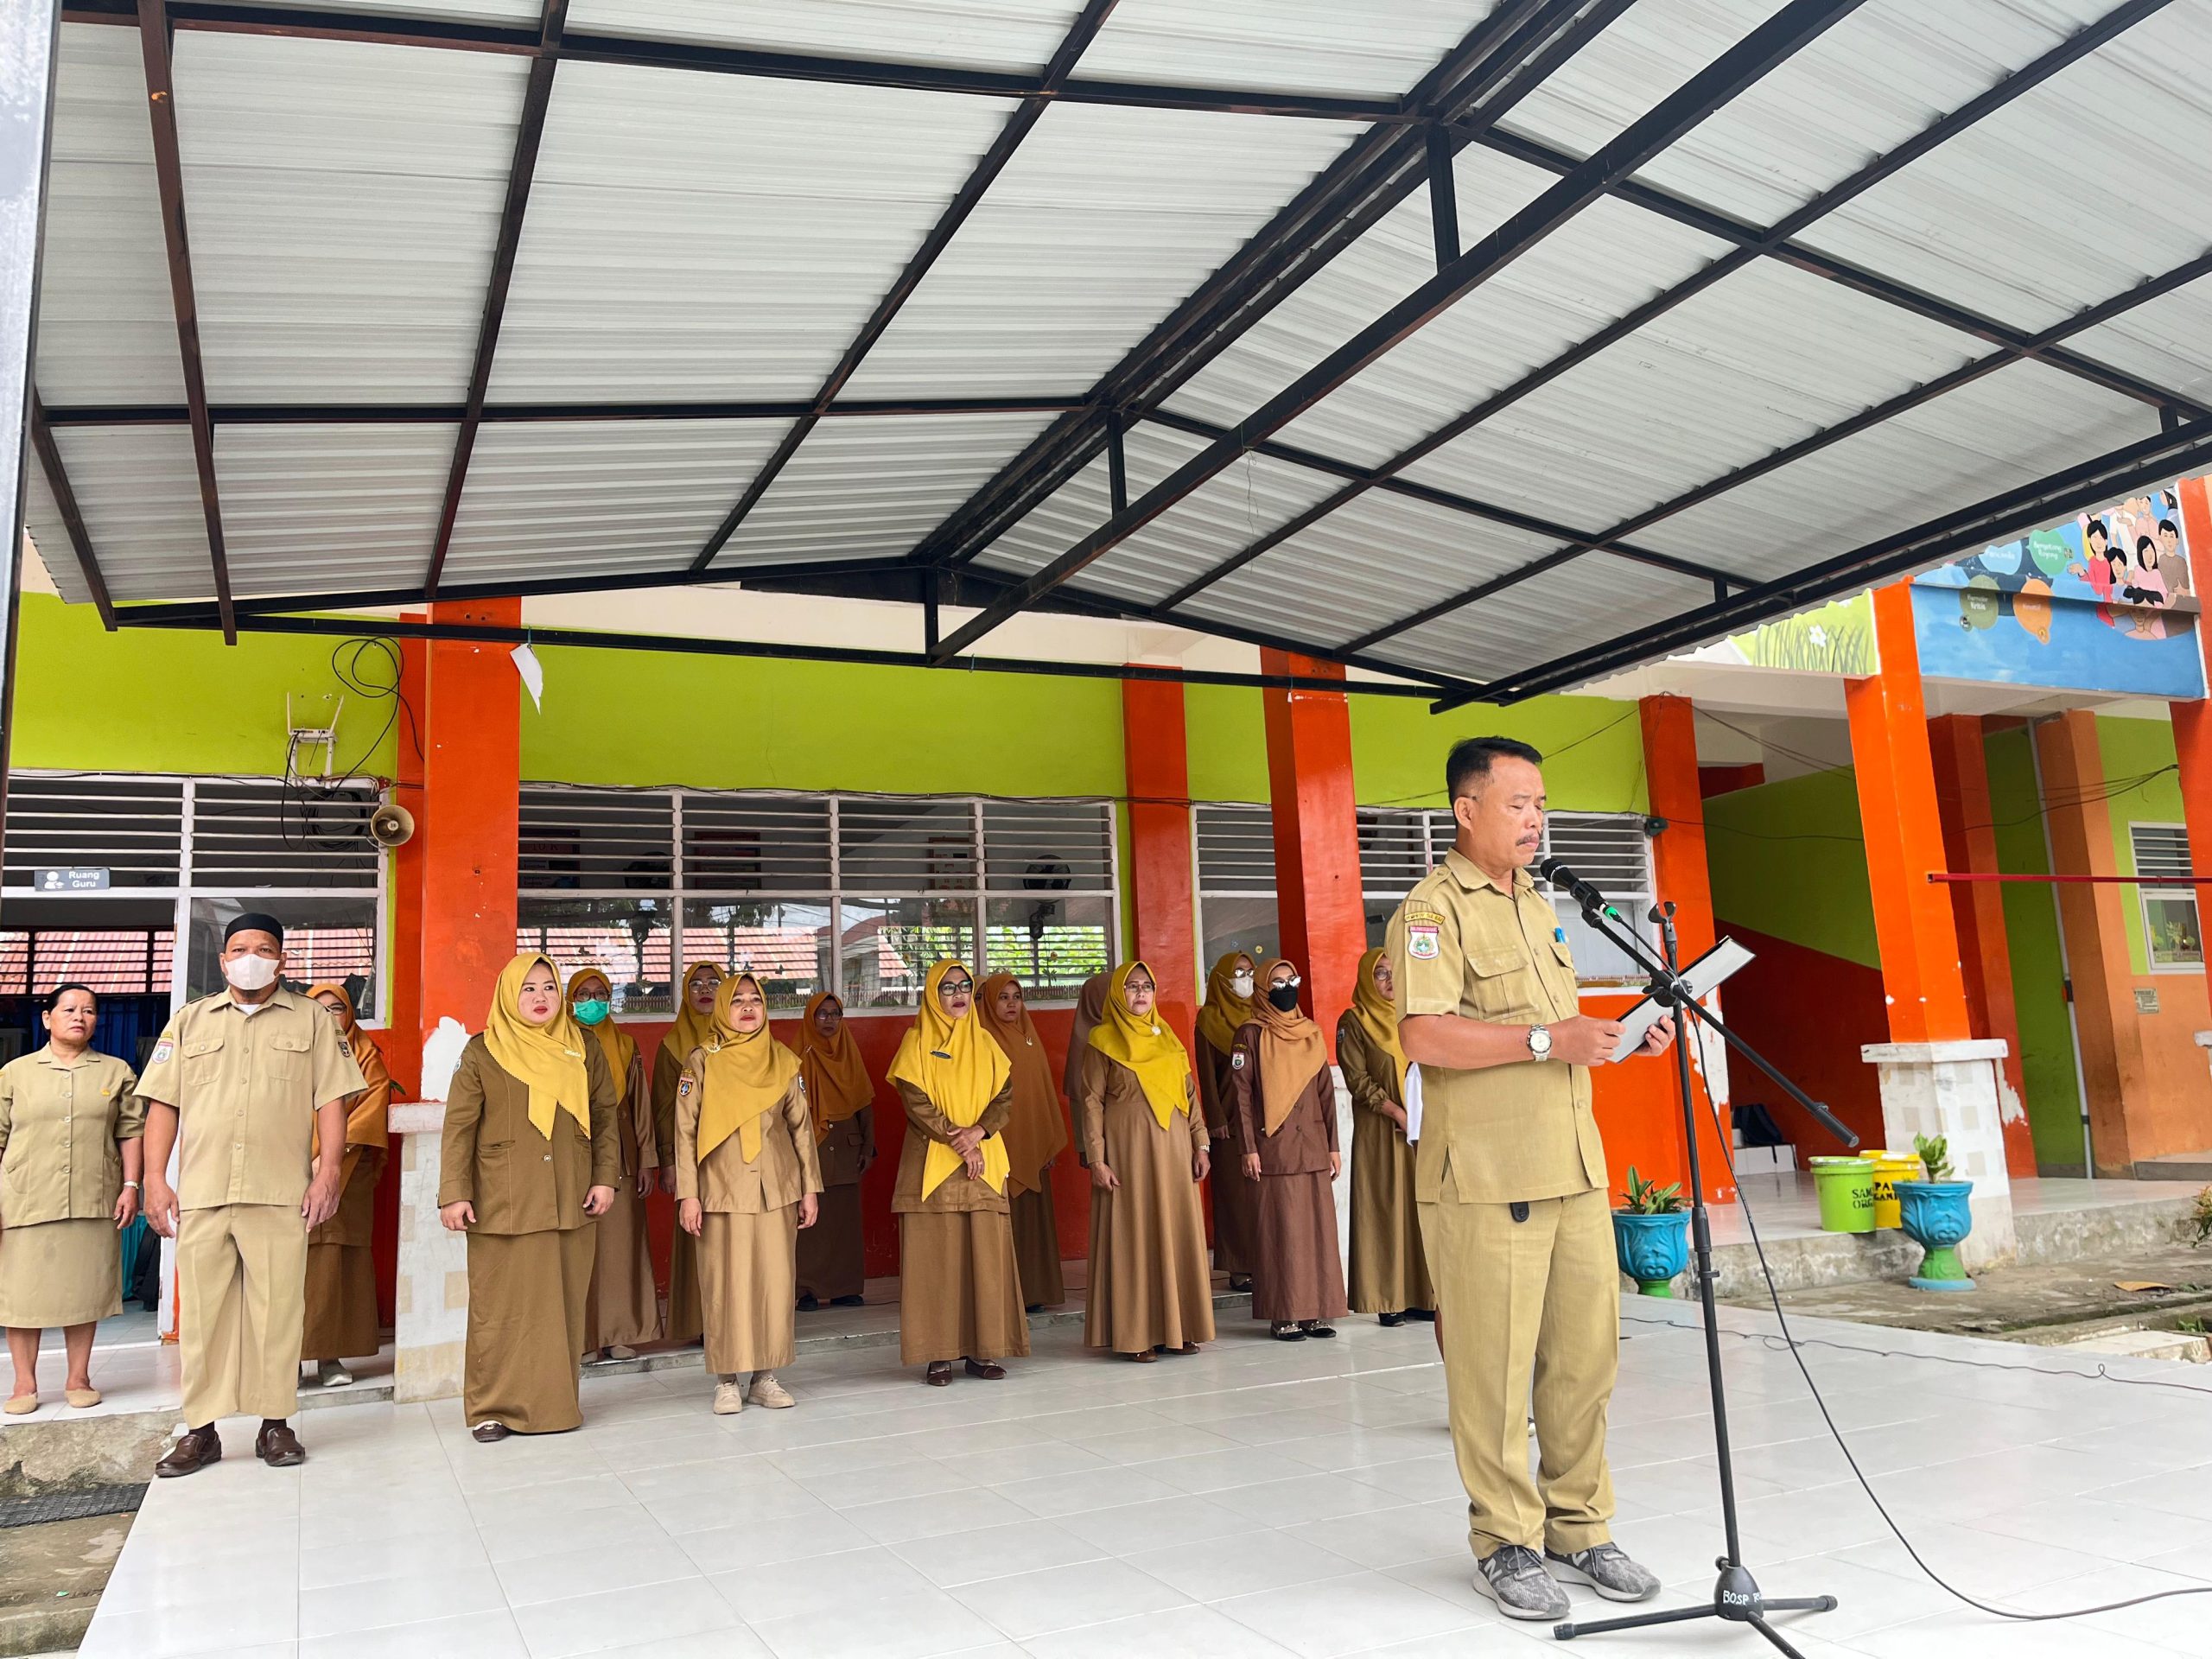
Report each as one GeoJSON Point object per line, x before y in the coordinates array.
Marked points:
{"type": "Point", "coordinates": [1538, 1298]}
{"type": "Point", "coordinates": [241, 1304]}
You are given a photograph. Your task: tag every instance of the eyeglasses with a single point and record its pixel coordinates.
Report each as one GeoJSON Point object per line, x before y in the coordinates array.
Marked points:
{"type": "Point", "coordinates": [948, 987]}
{"type": "Point", "coordinates": [1293, 982]}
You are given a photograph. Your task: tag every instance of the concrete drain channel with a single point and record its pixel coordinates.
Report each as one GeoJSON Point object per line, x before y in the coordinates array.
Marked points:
{"type": "Point", "coordinates": [69, 1490]}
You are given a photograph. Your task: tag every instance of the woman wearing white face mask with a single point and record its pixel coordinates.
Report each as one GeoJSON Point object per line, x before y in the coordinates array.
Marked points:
{"type": "Point", "coordinates": [623, 1309]}
{"type": "Point", "coordinates": [1227, 1009]}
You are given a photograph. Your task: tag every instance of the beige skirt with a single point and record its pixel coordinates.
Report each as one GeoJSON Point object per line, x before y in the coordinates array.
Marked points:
{"type": "Point", "coordinates": [59, 1273]}
{"type": "Point", "coordinates": [959, 1292]}
{"type": "Point", "coordinates": [749, 1269]}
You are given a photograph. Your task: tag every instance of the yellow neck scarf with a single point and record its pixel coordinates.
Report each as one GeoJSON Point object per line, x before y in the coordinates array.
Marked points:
{"type": "Point", "coordinates": [692, 1029]}
{"type": "Point", "coordinates": [1146, 1047]}
{"type": "Point", "coordinates": [1223, 1012]}
{"type": "Point", "coordinates": [548, 1059]}
{"type": "Point", "coordinates": [1378, 1017]}
{"type": "Point", "coordinates": [747, 1075]}
{"type": "Point", "coordinates": [961, 1069]}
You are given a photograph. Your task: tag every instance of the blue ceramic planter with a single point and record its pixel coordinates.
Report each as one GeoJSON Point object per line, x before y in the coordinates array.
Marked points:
{"type": "Point", "coordinates": [1652, 1249]}
{"type": "Point", "coordinates": [1936, 1215]}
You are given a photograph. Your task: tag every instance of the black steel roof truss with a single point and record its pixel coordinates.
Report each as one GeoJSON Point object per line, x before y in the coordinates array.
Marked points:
{"type": "Point", "coordinates": [65, 501]}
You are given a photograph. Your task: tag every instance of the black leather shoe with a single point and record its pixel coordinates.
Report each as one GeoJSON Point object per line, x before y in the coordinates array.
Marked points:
{"type": "Point", "coordinates": [194, 1450]}
{"type": "Point", "coordinates": [277, 1447]}
{"type": "Point", "coordinates": [1392, 1320]}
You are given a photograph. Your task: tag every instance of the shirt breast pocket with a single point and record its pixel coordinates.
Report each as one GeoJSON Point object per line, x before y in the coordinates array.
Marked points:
{"type": "Point", "coordinates": [1503, 986]}
{"type": "Point", "coordinates": [287, 1057]}
{"type": "Point", "coordinates": [203, 1060]}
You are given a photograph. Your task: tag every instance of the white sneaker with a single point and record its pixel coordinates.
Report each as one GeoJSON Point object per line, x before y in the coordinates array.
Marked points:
{"type": "Point", "coordinates": [333, 1373]}
{"type": "Point", "coordinates": [766, 1391]}
{"type": "Point", "coordinates": [729, 1399]}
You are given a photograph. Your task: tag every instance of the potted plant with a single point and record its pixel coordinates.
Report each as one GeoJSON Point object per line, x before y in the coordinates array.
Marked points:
{"type": "Point", "coordinates": [1936, 1215]}
{"type": "Point", "coordinates": [1651, 1234]}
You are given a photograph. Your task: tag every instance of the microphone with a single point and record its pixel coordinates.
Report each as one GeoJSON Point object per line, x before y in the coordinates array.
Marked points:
{"type": "Point", "coordinates": [1561, 875]}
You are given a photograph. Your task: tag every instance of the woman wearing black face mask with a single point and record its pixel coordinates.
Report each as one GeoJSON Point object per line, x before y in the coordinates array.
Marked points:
{"type": "Point", "coordinates": [1285, 1114]}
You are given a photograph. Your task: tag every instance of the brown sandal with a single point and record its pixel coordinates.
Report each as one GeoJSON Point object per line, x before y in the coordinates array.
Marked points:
{"type": "Point", "coordinates": [939, 1375]}
{"type": "Point", "coordinates": [1144, 1357]}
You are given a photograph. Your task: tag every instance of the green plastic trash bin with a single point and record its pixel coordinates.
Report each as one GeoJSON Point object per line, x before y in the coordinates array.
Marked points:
{"type": "Point", "coordinates": [1845, 1187]}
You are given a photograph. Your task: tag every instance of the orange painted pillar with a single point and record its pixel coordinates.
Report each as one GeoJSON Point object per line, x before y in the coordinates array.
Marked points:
{"type": "Point", "coordinates": [2192, 723]}
{"type": "Point", "coordinates": [1978, 913]}
{"type": "Point", "coordinates": [1905, 839]}
{"type": "Point", "coordinates": [2097, 964]}
{"type": "Point", "coordinates": [1678, 866]}
{"type": "Point", "coordinates": [1156, 759]}
{"type": "Point", "coordinates": [401, 1041]}
{"type": "Point", "coordinates": [1318, 898]}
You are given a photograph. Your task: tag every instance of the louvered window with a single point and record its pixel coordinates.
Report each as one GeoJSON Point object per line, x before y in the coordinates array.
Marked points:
{"type": "Point", "coordinates": [1610, 851]}
{"type": "Point", "coordinates": [2173, 937]}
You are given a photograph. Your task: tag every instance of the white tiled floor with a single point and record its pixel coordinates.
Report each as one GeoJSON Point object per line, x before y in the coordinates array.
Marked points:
{"type": "Point", "coordinates": [1257, 1499]}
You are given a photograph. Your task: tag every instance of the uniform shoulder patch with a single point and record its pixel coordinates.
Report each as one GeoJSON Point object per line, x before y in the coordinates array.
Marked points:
{"type": "Point", "coordinates": [164, 1051]}
{"type": "Point", "coordinates": [1236, 1060]}
{"type": "Point", "coordinates": [1423, 940]}
{"type": "Point", "coordinates": [1419, 911]}
{"type": "Point", "coordinates": [683, 1085]}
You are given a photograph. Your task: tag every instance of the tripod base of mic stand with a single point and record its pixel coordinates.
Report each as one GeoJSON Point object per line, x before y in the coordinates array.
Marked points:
{"type": "Point", "coordinates": [1736, 1597]}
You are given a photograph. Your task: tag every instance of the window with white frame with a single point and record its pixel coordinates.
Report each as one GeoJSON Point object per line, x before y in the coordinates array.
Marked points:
{"type": "Point", "coordinates": [2173, 936]}
{"type": "Point", "coordinates": [853, 893]}
{"type": "Point", "coordinates": [126, 882]}
{"type": "Point", "coordinates": [1235, 851]}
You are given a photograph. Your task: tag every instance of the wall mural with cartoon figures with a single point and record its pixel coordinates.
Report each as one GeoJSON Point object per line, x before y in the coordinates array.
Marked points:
{"type": "Point", "coordinates": [2102, 603]}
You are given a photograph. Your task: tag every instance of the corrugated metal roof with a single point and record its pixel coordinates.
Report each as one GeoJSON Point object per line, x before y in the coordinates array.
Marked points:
{"type": "Point", "coordinates": [1103, 220]}
{"type": "Point", "coordinates": [473, 11]}
{"type": "Point", "coordinates": [107, 326]}
{"type": "Point", "coordinates": [706, 236]}
{"type": "Point", "coordinates": [873, 488]}
{"type": "Point", "coordinates": [139, 491]}
{"type": "Point", "coordinates": [358, 502]}
{"type": "Point", "coordinates": [42, 523]}
{"type": "Point", "coordinates": [343, 198]}
{"type": "Point", "coordinates": [2167, 341]}
{"type": "Point", "coordinates": [1014, 36]}
{"type": "Point", "coordinates": [1378, 48]}
{"type": "Point", "coordinates": [592, 498]}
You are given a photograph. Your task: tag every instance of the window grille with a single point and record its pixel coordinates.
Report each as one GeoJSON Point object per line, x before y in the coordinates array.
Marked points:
{"type": "Point", "coordinates": [2173, 936]}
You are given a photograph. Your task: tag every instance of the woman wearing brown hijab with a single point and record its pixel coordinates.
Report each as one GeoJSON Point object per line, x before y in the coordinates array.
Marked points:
{"type": "Point", "coordinates": [746, 1181]}
{"type": "Point", "coordinates": [839, 1093]}
{"type": "Point", "coordinates": [1035, 1132]}
{"type": "Point", "coordinates": [623, 1309]}
{"type": "Point", "coordinates": [1151, 1291]}
{"type": "Point", "coordinates": [1285, 1112]}
{"type": "Point", "coordinates": [1227, 1009]}
{"type": "Point", "coordinates": [341, 1289]}
{"type": "Point", "coordinates": [694, 1023]}
{"type": "Point", "coordinates": [1390, 1274]}
{"type": "Point", "coordinates": [1089, 1009]}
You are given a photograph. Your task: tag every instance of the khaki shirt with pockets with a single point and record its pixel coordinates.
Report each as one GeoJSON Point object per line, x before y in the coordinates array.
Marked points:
{"type": "Point", "coordinates": [246, 1087]}
{"type": "Point", "coordinates": [62, 1127]}
{"type": "Point", "coordinates": [1502, 1134]}
{"type": "Point", "coordinates": [786, 1171]}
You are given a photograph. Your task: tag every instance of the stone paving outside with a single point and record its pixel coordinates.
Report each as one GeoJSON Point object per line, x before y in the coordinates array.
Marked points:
{"type": "Point", "coordinates": [1257, 1499]}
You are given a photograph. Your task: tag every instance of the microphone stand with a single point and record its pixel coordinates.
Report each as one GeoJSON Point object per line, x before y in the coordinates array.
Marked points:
{"type": "Point", "coordinates": [1736, 1595]}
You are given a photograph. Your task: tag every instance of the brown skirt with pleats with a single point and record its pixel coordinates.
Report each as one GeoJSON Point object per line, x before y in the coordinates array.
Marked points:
{"type": "Point", "coordinates": [685, 1321]}
{"type": "Point", "coordinates": [747, 1264]}
{"type": "Point", "coordinates": [1037, 1247]}
{"type": "Point", "coordinates": [1299, 1274]}
{"type": "Point", "coordinates": [341, 1285]}
{"type": "Point", "coordinates": [829, 1259]}
{"type": "Point", "coordinates": [959, 1293]}
{"type": "Point", "coordinates": [623, 1308]}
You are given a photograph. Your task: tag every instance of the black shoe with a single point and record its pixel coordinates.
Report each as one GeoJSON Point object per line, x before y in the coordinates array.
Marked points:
{"type": "Point", "coordinates": [1240, 1282]}
{"type": "Point", "coordinates": [1391, 1319]}
{"type": "Point", "coordinates": [807, 1304]}
{"type": "Point", "coordinates": [848, 1301]}
{"type": "Point", "coordinates": [1315, 1328]}
{"type": "Point", "coordinates": [1426, 1315]}
{"type": "Point", "coordinates": [487, 1433]}
{"type": "Point", "coordinates": [1284, 1330]}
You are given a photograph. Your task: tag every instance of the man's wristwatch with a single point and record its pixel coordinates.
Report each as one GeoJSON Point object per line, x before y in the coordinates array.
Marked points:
{"type": "Point", "coordinates": [1540, 1042]}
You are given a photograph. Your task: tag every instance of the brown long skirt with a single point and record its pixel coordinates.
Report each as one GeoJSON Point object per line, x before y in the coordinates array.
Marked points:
{"type": "Point", "coordinates": [622, 1308]}
{"type": "Point", "coordinates": [1149, 1286]}
{"type": "Point", "coordinates": [57, 1274]}
{"type": "Point", "coordinates": [1037, 1247]}
{"type": "Point", "coordinates": [1300, 1276]}
{"type": "Point", "coordinates": [526, 1295]}
{"type": "Point", "coordinates": [1390, 1270]}
{"type": "Point", "coordinates": [1235, 1213]}
{"type": "Point", "coordinates": [685, 1321]}
{"type": "Point", "coordinates": [829, 1259]}
{"type": "Point", "coordinates": [959, 1294]}
{"type": "Point", "coordinates": [746, 1265]}
{"type": "Point", "coordinates": [341, 1284]}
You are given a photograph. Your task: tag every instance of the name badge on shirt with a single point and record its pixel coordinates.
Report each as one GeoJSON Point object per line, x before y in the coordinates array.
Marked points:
{"type": "Point", "coordinates": [1421, 941]}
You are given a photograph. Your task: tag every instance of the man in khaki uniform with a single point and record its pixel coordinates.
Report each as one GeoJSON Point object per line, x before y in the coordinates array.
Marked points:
{"type": "Point", "coordinates": [256, 1078]}
{"type": "Point", "coordinates": [1510, 1178]}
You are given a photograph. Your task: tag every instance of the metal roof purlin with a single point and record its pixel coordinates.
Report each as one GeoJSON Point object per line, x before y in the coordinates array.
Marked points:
{"type": "Point", "coordinates": [64, 500]}
{"type": "Point", "coordinates": [1926, 392]}
{"type": "Point", "coordinates": [169, 172]}
{"type": "Point", "coordinates": [538, 96]}
{"type": "Point", "coordinates": [986, 171]}
{"type": "Point", "coordinates": [1792, 27]}
{"type": "Point", "coordinates": [495, 414]}
{"type": "Point", "coordinates": [1993, 518]}
{"type": "Point", "coordinates": [1502, 59]}
{"type": "Point", "coordinates": [1928, 139]}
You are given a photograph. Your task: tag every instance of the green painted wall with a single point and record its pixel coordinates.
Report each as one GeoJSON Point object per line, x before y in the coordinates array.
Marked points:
{"type": "Point", "coordinates": [1787, 860]}
{"type": "Point", "coordinates": [2054, 1095]}
{"type": "Point", "coordinates": [2145, 788]}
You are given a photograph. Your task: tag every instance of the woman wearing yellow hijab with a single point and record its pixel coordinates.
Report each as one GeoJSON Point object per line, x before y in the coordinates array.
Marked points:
{"type": "Point", "coordinates": [529, 1161]}
{"type": "Point", "coordinates": [623, 1310]}
{"type": "Point", "coordinates": [842, 1095]}
{"type": "Point", "coordinates": [341, 1283]}
{"type": "Point", "coordinates": [1035, 1133]}
{"type": "Point", "coordinates": [746, 1180]}
{"type": "Point", "coordinates": [1151, 1291]}
{"type": "Point", "coordinates": [1390, 1274]}
{"type": "Point", "coordinates": [1285, 1112]}
{"type": "Point", "coordinates": [959, 1292]}
{"type": "Point", "coordinates": [1227, 1009]}
{"type": "Point", "coordinates": [695, 1024]}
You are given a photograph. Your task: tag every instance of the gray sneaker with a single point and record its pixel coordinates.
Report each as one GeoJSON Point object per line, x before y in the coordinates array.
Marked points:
{"type": "Point", "coordinates": [1607, 1569]}
{"type": "Point", "coordinates": [1514, 1578]}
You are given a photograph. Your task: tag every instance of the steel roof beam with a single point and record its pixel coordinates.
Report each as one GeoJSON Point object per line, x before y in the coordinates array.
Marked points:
{"type": "Point", "coordinates": [965, 202]}
{"type": "Point", "coordinates": [64, 500]}
{"type": "Point", "coordinates": [1928, 139]}
{"type": "Point", "coordinates": [1770, 43]}
{"type": "Point", "coordinates": [1995, 519]}
{"type": "Point", "coordinates": [498, 413]}
{"type": "Point", "coordinates": [2035, 345]}
{"type": "Point", "coordinates": [537, 97]}
{"type": "Point", "coordinates": [168, 174]}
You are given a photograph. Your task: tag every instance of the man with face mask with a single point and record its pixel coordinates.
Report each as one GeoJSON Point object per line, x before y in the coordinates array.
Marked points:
{"type": "Point", "coordinates": [255, 1078]}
